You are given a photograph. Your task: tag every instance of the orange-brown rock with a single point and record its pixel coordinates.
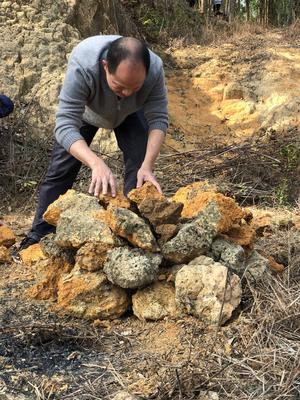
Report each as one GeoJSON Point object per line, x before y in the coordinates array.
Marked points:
{"type": "Point", "coordinates": [267, 221]}
{"type": "Point", "coordinates": [119, 201]}
{"type": "Point", "coordinates": [91, 296]}
{"type": "Point", "coordinates": [187, 193]}
{"type": "Point", "coordinates": [147, 191]}
{"type": "Point", "coordinates": [166, 232]}
{"type": "Point", "coordinates": [7, 236]}
{"type": "Point", "coordinates": [248, 215]}
{"type": "Point", "coordinates": [243, 235]}
{"type": "Point", "coordinates": [261, 224]}
{"type": "Point", "coordinates": [52, 213]}
{"type": "Point", "coordinates": [4, 255]}
{"type": "Point", "coordinates": [92, 256]}
{"type": "Point", "coordinates": [159, 212]}
{"type": "Point", "coordinates": [70, 201]}
{"type": "Point", "coordinates": [274, 265]}
{"type": "Point", "coordinates": [48, 273]}
{"type": "Point", "coordinates": [32, 254]}
{"type": "Point", "coordinates": [197, 201]}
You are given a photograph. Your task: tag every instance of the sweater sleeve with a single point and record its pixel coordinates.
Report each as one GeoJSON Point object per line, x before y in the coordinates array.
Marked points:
{"type": "Point", "coordinates": [73, 97]}
{"type": "Point", "coordinates": [156, 106]}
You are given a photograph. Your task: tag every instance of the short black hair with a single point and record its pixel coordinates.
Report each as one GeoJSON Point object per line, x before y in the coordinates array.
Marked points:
{"type": "Point", "coordinates": [127, 48]}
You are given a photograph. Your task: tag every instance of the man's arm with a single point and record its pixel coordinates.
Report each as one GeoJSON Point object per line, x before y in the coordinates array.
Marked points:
{"type": "Point", "coordinates": [155, 141]}
{"type": "Point", "coordinates": [102, 177]}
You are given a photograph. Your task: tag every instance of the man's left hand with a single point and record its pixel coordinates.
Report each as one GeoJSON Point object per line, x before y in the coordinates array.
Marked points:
{"type": "Point", "coordinates": [144, 175]}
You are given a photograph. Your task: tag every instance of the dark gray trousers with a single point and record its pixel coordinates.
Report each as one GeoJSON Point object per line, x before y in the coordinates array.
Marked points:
{"type": "Point", "coordinates": [132, 137]}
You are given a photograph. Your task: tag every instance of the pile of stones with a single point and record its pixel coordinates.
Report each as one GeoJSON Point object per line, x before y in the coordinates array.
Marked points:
{"type": "Point", "coordinates": [159, 257]}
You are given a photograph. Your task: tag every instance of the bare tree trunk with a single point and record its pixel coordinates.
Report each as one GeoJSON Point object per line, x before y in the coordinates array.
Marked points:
{"type": "Point", "coordinates": [206, 5]}
{"type": "Point", "coordinates": [271, 12]}
{"type": "Point", "coordinates": [238, 10]}
{"type": "Point", "coordinates": [248, 10]}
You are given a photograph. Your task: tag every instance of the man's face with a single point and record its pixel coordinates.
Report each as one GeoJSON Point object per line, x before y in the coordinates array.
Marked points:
{"type": "Point", "coordinates": [127, 79]}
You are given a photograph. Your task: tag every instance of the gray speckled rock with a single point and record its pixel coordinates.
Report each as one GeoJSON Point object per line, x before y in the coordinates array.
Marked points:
{"type": "Point", "coordinates": [230, 254]}
{"type": "Point", "coordinates": [74, 229]}
{"type": "Point", "coordinates": [71, 200]}
{"type": "Point", "coordinates": [191, 241]}
{"type": "Point", "coordinates": [51, 249]}
{"type": "Point", "coordinates": [194, 238]}
{"type": "Point", "coordinates": [127, 224]}
{"type": "Point", "coordinates": [256, 266]}
{"type": "Point", "coordinates": [131, 268]}
{"type": "Point", "coordinates": [200, 290]}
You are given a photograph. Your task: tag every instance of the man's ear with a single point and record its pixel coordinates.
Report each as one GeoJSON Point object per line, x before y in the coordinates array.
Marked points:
{"type": "Point", "coordinates": [104, 64]}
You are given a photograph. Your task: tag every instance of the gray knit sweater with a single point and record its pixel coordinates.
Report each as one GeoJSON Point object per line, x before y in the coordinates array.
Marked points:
{"type": "Point", "coordinates": [86, 96]}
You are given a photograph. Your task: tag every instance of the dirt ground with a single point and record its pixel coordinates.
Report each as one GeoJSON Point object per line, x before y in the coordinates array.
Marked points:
{"type": "Point", "coordinates": [44, 355]}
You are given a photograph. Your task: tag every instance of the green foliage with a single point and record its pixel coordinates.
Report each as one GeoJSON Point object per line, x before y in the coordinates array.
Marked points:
{"type": "Point", "coordinates": [285, 191]}
{"type": "Point", "coordinates": [291, 155]}
{"type": "Point", "coordinates": [281, 194]}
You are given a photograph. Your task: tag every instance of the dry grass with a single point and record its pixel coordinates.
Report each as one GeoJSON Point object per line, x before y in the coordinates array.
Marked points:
{"type": "Point", "coordinates": [217, 31]}
{"type": "Point", "coordinates": [292, 33]}
{"type": "Point", "coordinates": [259, 171]}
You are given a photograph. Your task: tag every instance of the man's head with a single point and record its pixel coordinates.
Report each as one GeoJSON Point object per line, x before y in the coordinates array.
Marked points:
{"type": "Point", "coordinates": [126, 66]}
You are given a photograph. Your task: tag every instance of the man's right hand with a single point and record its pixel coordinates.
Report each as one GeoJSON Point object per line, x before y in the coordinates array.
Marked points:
{"type": "Point", "coordinates": [103, 180]}
{"type": "Point", "coordinates": [102, 177]}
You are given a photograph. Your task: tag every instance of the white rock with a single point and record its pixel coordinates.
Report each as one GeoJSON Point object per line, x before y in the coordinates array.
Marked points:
{"type": "Point", "coordinates": [200, 290]}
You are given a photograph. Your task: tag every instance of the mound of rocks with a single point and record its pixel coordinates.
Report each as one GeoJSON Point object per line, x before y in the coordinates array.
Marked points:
{"type": "Point", "coordinates": [159, 257]}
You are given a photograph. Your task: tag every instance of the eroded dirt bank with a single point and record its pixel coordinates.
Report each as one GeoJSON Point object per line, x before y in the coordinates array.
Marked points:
{"type": "Point", "coordinates": [223, 94]}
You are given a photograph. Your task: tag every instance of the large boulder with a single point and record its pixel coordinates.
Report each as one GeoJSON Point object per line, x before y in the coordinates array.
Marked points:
{"type": "Point", "coordinates": [79, 222]}
{"type": "Point", "coordinates": [48, 273]}
{"type": "Point", "coordinates": [155, 302]}
{"type": "Point", "coordinates": [127, 224]}
{"type": "Point", "coordinates": [196, 200]}
{"type": "Point", "coordinates": [91, 296]}
{"type": "Point", "coordinates": [194, 238]}
{"type": "Point", "coordinates": [207, 290]}
{"type": "Point", "coordinates": [78, 202]}
{"type": "Point", "coordinates": [191, 241]}
{"type": "Point", "coordinates": [132, 268]}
